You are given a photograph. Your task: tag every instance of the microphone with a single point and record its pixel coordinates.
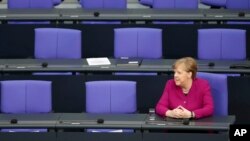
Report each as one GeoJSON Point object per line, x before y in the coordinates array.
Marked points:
{"type": "Point", "coordinates": [44, 64]}
{"type": "Point", "coordinates": [185, 121]}
{"type": "Point", "coordinates": [96, 14]}
{"type": "Point", "coordinates": [211, 64]}
{"type": "Point", "coordinates": [100, 121]}
{"type": "Point", "coordinates": [241, 14]}
{"type": "Point", "coordinates": [13, 121]}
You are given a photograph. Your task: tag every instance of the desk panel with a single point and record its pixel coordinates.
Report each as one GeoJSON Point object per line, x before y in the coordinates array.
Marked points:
{"type": "Point", "coordinates": [81, 136]}
{"type": "Point", "coordinates": [217, 66]}
{"type": "Point", "coordinates": [117, 121]}
{"type": "Point", "coordinates": [126, 15]}
{"type": "Point", "coordinates": [49, 136]}
{"type": "Point", "coordinates": [212, 128]}
{"type": "Point", "coordinates": [29, 120]}
{"type": "Point", "coordinates": [147, 65]}
{"type": "Point", "coordinates": [185, 137]}
{"type": "Point", "coordinates": [29, 14]}
{"type": "Point", "coordinates": [216, 123]}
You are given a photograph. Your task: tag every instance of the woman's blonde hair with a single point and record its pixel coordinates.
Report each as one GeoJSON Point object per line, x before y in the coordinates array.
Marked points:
{"type": "Point", "coordinates": [189, 63]}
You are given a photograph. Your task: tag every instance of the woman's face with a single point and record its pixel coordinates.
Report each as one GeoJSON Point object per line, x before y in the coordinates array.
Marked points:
{"type": "Point", "coordinates": [181, 76]}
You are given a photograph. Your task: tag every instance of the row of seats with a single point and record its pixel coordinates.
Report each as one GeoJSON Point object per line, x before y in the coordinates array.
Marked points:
{"type": "Point", "coordinates": [34, 96]}
{"type": "Point", "coordinates": [229, 4]}
{"type": "Point", "coordinates": [122, 4]}
{"type": "Point", "coordinates": [193, 4]}
{"type": "Point", "coordinates": [21, 4]}
{"type": "Point", "coordinates": [213, 44]}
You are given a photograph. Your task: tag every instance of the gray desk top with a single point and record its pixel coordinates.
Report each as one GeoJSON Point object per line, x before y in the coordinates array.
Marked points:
{"type": "Point", "coordinates": [29, 14]}
{"type": "Point", "coordinates": [29, 120]}
{"type": "Point", "coordinates": [128, 121]}
{"type": "Point", "coordinates": [128, 14]}
{"type": "Point", "coordinates": [147, 65]}
{"type": "Point", "coordinates": [82, 120]}
{"type": "Point", "coordinates": [210, 123]}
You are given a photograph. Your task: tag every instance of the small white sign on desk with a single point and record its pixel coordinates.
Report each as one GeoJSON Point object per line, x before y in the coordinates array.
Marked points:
{"type": "Point", "coordinates": [98, 61]}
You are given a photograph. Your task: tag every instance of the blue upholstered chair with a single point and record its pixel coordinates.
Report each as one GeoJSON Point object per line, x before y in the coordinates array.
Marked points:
{"type": "Point", "coordinates": [57, 2]}
{"type": "Point", "coordinates": [144, 43]}
{"type": "Point", "coordinates": [25, 96]}
{"type": "Point", "coordinates": [173, 4]}
{"type": "Point", "coordinates": [57, 43]}
{"type": "Point", "coordinates": [214, 3]}
{"type": "Point", "coordinates": [219, 89]}
{"type": "Point", "coordinates": [103, 5]}
{"type": "Point", "coordinates": [237, 4]}
{"type": "Point", "coordinates": [138, 43]}
{"type": "Point", "coordinates": [112, 97]}
{"type": "Point", "coordinates": [146, 2]}
{"type": "Point", "coordinates": [222, 44]}
{"type": "Point", "coordinates": [30, 4]}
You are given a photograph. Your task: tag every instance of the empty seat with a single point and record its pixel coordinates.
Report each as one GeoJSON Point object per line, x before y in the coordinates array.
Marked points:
{"type": "Point", "coordinates": [25, 96]}
{"type": "Point", "coordinates": [138, 43]}
{"type": "Point", "coordinates": [103, 5]}
{"type": "Point", "coordinates": [222, 44]}
{"type": "Point", "coordinates": [214, 3]}
{"type": "Point", "coordinates": [112, 97]}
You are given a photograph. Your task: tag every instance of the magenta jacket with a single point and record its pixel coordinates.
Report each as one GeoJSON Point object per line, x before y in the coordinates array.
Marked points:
{"type": "Point", "coordinates": [198, 100]}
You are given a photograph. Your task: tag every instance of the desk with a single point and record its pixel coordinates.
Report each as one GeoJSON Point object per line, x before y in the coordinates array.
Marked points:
{"type": "Point", "coordinates": [29, 121]}
{"type": "Point", "coordinates": [220, 124]}
{"type": "Point", "coordinates": [154, 14]}
{"type": "Point", "coordinates": [207, 129]}
{"type": "Point", "coordinates": [143, 122]}
{"type": "Point", "coordinates": [79, 14]}
{"type": "Point", "coordinates": [29, 14]}
{"type": "Point", "coordinates": [80, 65]}
{"type": "Point", "coordinates": [112, 121]}
{"type": "Point", "coordinates": [146, 129]}
{"type": "Point", "coordinates": [115, 121]}
{"type": "Point", "coordinates": [217, 66]}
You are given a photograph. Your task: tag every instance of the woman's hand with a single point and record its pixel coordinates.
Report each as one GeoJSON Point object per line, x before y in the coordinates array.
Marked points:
{"type": "Point", "coordinates": [184, 113]}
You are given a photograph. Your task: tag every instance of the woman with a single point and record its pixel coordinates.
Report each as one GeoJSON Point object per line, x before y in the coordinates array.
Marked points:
{"type": "Point", "coordinates": [186, 96]}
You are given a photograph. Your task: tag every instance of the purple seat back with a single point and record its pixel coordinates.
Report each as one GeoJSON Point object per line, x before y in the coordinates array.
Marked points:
{"type": "Point", "coordinates": [57, 2]}
{"type": "Point", "coordinates": [12, 4]}
{"type": "Point", "coordinates": [136, 73]}
{"type": "Point", "coordinates": [222, 44]}
{"type": "Point", "coordinates": [173, 22]}
{"type": "Point", "coordinates": [147, 2]}
{"type": "Point", "coordinates": [221, 3]}
{"type": "Point", "coordinates": [219, 89]}
{"type": "Point", "coordinates": [24, 130]}
{"type": "Point", "coordinates": [101, 22]}
{"type": "Point", "coordinates": [57, 43]}
{"type": "Point", "coordinates": [175, 4]}
{"type": "Point", "coordinates": [111, 96]}
{"type": "Point", "coordinates": [138, 43]}
{"type": "Point", "coordinates": [52, 73]}
{"type": "Point", "coordinates": [26, 96]}
{"type": "Point", "coordinates": [36, 4]}
{"type": "Point", "coordinates": [238, 22]}
{"type": "Point", "coordinates": [104, 4]}
{"type": "Point", "coordinates": [237, 4]}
